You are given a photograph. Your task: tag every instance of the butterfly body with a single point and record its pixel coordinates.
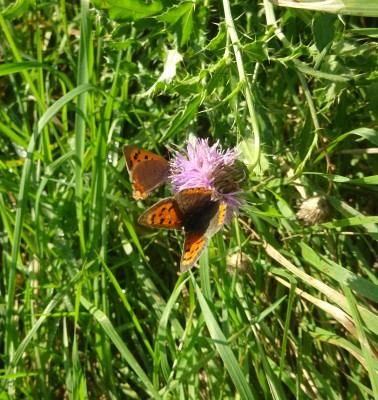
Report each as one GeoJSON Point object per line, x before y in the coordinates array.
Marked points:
{"type": "Point", "coordinates": [147, 170]}
{"type": "Point", "coordinates": [196, 212]}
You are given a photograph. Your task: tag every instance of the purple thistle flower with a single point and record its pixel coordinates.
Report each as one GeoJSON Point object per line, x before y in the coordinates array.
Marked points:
{"type": "Point", "coordinates": [202, 165]}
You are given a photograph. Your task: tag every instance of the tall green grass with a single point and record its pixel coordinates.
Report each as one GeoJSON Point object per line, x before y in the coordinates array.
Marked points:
{"type": "Point", "coordinates": [92, 304]}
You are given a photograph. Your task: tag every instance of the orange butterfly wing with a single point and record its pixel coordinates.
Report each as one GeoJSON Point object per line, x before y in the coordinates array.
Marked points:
{"type": "Point", "coordinates": [193, 210]}
{"type": "Point", "coordinates": [217, 221]}
{"type": "Point", "coordinates": [147, 170]}
{"type": "Point", "coordinates": [164, 214]}
{"type": "Point", "coordinates": [194, 244]}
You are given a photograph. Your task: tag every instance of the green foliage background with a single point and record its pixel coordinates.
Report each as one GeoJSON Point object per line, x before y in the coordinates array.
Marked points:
{"type": "Point", "coordinates": [92, 305]}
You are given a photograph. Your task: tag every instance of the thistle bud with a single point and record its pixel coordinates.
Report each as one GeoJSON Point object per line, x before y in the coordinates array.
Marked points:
{"type": "Point", "coordinates": [314, 210]}
{"type": "Point", "coordinates": [239, 262]}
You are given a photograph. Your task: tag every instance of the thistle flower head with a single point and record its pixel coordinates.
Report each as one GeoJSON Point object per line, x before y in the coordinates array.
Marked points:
{"type": "Point", "coordinates": [202, 165]}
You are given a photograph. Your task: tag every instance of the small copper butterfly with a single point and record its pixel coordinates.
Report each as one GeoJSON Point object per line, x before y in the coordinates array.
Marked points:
{"type": "Point", "coordinates": [147, 170]}
{"type": "Point", "coordinates": [195, 211]}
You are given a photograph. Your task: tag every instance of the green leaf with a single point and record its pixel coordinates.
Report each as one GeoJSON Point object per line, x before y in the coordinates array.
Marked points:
{"type": "Point", "coordinates": [340, 274]}
{"type": "Point", "coordinates": [172, 15]}
{"type": "Point", "coordinates": [354, 217]}
{"type": "Point", "coordinates": [351, 7]}
{"type": "Point", "coordinates": [368, 180]}
{"type": "Point", "coordinates": [257, 50]}
{"type": "Point", "coordinates": [180, 20]}
{"type": "Point", "coordinates": [114, 337]}
{"type": "Point", "coordinates": [16, 67]}
{"type": "Point", "coordinates": [364, 133]}
{"type": "Point", "coordinates": [16, 9]}
{"type": "Point", "coordinates": [332, 338]}
{"type": "Point", "coordinates": [342, 223]}
{"type": "Point", "coordinates": [305, 69]}
{"type": "Point", "coordinates": [227, 355]}
{"type": "Point", "coordinates": [323, 30]}
{"type": "Point", "coordinates": [182, 119]}
{"type": "Point", "coordinates": [371, 362]}
{"type": "Point", "coordinates": [370, 32]}
{"type": "Point", "coordinates": [132, 10]}
{"type": "Point", "coordinates": [27, 340]}
{"type": "Point", "coordinates": [219, 41]}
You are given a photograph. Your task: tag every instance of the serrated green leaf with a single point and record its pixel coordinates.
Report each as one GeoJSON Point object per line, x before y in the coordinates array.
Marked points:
{"type": "Point", "coordinates": [180, 20]}
{"type": "Point", "coordinates": [219, 41]}
{"type": "Point", "coordinates": [257, 50]}
{"type": "Point", "coordinates": [172, 15]}
{"type": "Point", "coordinates": [305, 69]}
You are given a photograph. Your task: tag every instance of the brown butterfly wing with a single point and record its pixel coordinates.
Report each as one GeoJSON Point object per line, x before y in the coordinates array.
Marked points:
{"type": "Point", "coordinates": [193, 199]}
{"type": "Point", "coordinates": [147, 176]}
{"type": "Point", "coordinates": [134, 155]}
{"type": "Point", "coordinates": [164, 214]}
{"type": "Point", "coordinates": [147, 170]}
